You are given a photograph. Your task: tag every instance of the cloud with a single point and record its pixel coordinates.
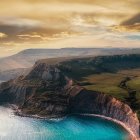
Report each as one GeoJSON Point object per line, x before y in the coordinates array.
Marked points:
{"type": "Point", "coordinates": [12, 25]}
{"type": "Point", "coordinates": [2, 35]}
{"type": "Point", "coordinates": [13, 21]}
{"type": "Point", "coordinates": [38, 22]}
{"type": "Point", "coordinates": [135, 20]}
{"type": "Point", "coordinates": [130, 25]}
{"type": "Point", "coordinates": [133, 37]}
{"type": "Point", "coordinates": [127, 28]}
{"type": "Point", "coordinates": [32, 33]}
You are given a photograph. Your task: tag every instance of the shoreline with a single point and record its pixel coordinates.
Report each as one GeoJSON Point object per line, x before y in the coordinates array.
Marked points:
{"type": "Point", "coordinates": [19, 113]}
{"type": "Point", "coordinates": [131, 133]}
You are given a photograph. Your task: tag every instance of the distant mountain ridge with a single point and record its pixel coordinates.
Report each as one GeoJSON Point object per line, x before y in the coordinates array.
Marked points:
{"type": "Point", "coordinates": [27, 58]}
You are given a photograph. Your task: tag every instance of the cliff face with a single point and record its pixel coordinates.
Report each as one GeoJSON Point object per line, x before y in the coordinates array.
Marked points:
{"type": "Point", "coordinates": [43, 91]}
{"type": "Point", "coordinates": [97, 103]}
{"type": "Point", "coordinates": [47, 92]}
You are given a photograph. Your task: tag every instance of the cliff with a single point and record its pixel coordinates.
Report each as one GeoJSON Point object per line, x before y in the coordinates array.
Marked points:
{"type": "Point", "coordinates": [47, 91]}
{"type": "Point", "coordinates": [43, 91]}
{"type": "Point", "coordinates": [91, 102]}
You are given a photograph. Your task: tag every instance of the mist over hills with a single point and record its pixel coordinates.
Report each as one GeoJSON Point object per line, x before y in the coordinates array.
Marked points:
{"type": "Point", "coordinates": [27, 58]}
{"type": "Point", "coordinates": [13, 66]}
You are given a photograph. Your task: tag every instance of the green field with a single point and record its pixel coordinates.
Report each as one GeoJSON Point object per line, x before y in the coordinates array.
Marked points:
{"type": "Point", "coordinates": [107, 83]}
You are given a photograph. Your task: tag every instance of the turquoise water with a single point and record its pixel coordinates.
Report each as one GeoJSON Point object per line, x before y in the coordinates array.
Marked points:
{"type": "Point", "coordinates": [70, 128]}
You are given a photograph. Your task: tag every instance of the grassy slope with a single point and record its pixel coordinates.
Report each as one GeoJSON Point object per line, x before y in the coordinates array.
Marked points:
{"type": "Point", "coordinates": [107, 83]}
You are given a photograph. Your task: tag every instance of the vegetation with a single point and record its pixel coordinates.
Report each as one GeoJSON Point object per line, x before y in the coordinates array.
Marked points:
{"type": "Point", "coordinates": [105, 74]}
{"type": "Point", "coordinates": [83, 67]}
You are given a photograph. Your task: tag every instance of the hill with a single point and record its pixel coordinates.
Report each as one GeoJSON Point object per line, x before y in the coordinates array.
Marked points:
{"type": "Point", "coordinates": [27, 58]}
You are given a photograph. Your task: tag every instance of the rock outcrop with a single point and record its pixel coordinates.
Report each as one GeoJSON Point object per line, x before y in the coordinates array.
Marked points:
{"type": "Point", "coordinates": [43, 91]}
{"type": "Point", "coordinates": [47, 92]}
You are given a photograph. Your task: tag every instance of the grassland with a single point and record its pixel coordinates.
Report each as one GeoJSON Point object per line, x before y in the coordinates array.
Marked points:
{"type": "Point", "coordinates": [107, 83]}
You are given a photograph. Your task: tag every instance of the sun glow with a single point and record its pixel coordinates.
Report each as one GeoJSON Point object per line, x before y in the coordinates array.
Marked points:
{"type": "Point", "coordinates": [35, 23]}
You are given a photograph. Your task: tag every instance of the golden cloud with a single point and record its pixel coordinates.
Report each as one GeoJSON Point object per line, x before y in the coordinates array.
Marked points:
{"type": "Point", "coordinates": [39, 21]}
{"type": "Point", "coordinates": [127, 28]}
{"type": "Point", "coordinates": [3, 35]}
{"type": "Point", "coordinates": [130, 25]}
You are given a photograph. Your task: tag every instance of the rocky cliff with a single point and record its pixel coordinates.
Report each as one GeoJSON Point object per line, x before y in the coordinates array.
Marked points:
{"type": "Point", "coordinates": [91, 102]}
{"type": "Point", "coordinates": [46, 91]}
{"type": "Point", "coordinates": [43, 91]}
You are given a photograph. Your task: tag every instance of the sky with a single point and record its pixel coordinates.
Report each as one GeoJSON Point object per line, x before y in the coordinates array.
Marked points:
{"type": "Point", "coordinates": [68, 23]}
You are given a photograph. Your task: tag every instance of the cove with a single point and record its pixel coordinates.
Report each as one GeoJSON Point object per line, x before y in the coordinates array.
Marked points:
{"type": "Point", "coordinates": [70, 128]}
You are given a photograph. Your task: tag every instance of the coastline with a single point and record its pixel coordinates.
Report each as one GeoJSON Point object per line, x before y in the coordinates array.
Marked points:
{"type": "Point", "coordinates": [131, 133]}
{"type": "Point", "coordinates": [19, 113]}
